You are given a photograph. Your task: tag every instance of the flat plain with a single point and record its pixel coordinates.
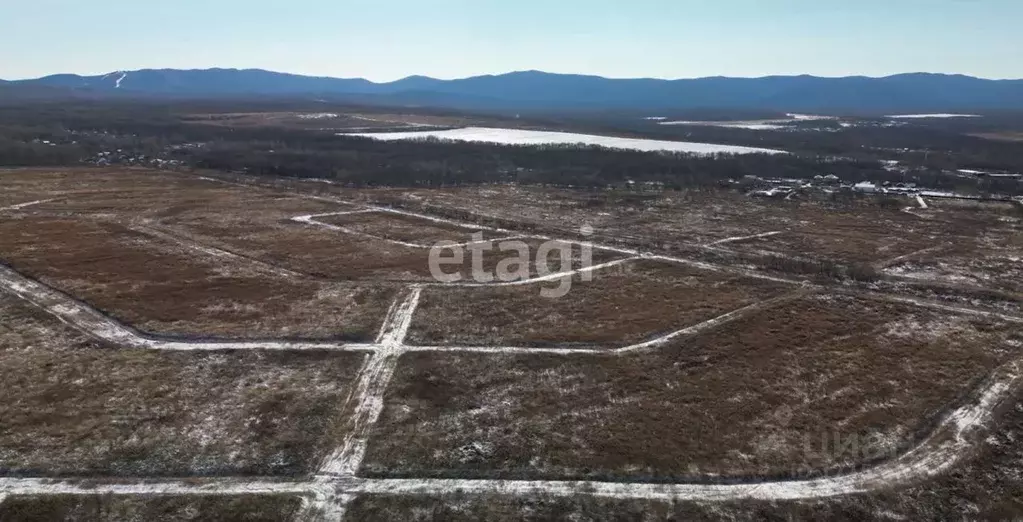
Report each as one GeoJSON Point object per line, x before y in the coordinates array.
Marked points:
{"type": "Point", "coordinates": [202, 343]}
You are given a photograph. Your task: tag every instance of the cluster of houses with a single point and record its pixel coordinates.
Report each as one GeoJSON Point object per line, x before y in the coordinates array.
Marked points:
{"type": "Point", "coordinates": [120, 157]}
{"type": "Point", "coordinates": [828, 184]}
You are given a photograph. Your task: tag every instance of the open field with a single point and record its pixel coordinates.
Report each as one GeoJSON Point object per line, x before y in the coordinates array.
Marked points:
{"type": "Point", "coordinates": [69, 508]}
{"type": "Point", "coordinates": [204, 348]}
{"type": "Point", "coordinates": [991, 257]}
{"type": "Point", "coordinates": [852, 232]}
{"type": "Point", "coordinates": [752, 399]}
{"type": "Point", "coordinates": [140, 193]}
{"type": "Point", "coordinates": [621, 305]}
{"type": "Point", "coordinates": [831, 236]}
{"type": "Point", "coordinates": [999, 269]}
{"type": "Point", "coordinates": [72, 406]}
{"type": "Point", "coordinates": [986, 487]}
{"type": "Point", "coordinates": [406, 229]}
{"type": "Point", "coordinates": [155, 286]}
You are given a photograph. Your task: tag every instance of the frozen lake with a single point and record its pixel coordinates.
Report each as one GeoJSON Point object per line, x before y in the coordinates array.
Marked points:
{"type": "Point", "coordinates": [923, 116]}
{"type": "Point", "coordinates": [532, 137]}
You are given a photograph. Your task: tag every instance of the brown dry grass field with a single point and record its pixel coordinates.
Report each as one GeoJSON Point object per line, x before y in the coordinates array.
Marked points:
{"type": "Point", "coordinates": [753, 397]}
{"type": "Point", "coordinates": [761, 396]}
{"type": "Point", "coordinates": [965, 264]}
{"type": "Point", "coordinates": [986, 487]}
{"type": "Point", "coordinates": [155, 286]}
{"type": "Point", "coordinates": [407, 229]}
{"type": "Point", "coordinates": [70, 406]}
{"type": "Point", "coordinates": [70, 508]}
{"type": "Point", "coordinates": [324, 253]}
{"type": "Point", "coordinates": [251, 222]}
{"type": "Point", "coordinates": [991, 256]}
{"type": "Point", "coordinates": [622, 305]}
{"type": "Point", "coordinates": [694, 216]}
{"type": "Point", "coordinates": [311, 250]}
{"type": "Point", "coordinates": [854, 232]}
{"type": "Point", "coordinates": [148, 195]}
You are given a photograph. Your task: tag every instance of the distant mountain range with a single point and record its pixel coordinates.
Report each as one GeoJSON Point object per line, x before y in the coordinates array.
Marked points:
{"type": "Point", "coordinates": [539, 90]}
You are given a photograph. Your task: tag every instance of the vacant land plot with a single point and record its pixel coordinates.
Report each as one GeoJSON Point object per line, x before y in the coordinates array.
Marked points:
{"type": "Point", "coordinates": [994, 269]}
{"type": "Point", "coordinates": [821, 381]}
{"type": "Point", "coordinates": [624, 304]}
{"type": "Point", "coordinates": [407, 228]}
{"type": "Point", "coordinates": [692, 216]}
{"type": "Point", "coordinates": [766, 395]}
{"type": "Point", "coordinates": [69, 508]}
{"type": "Point", "coordinates": [329, 253]}
{"type": "Point", "coordinates": [843, 246]}
{"type": "Point", "coordinates": [71, 407]}
{"type": "Point", "coordinates": [990, 255]}
{"type": "Point", "coordinates": [311, 250]}
{"type": "Point", "coordinates": [153, 285]}
{"type": "Point", "coordinates": [855, 231]}
{"type": "Point", "coordinates": [137, 193]}
{"type": "Point", "coordinates": [866, 236]}
{"type": "Point", "coordinates": [987, 487]}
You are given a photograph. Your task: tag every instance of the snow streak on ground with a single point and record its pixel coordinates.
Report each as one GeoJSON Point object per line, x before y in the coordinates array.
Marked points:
{"type": "Point", "coordinates": [20, 206]}
{"type": "Point", "coordinates": [923, 116]}
{"type": "Point", "coordinates": [745, 238]}
{"type": "Point", "coordinates": [810, 117]}
{"type": "Point", "coordinates": [371, 386]}
{"type": "Point", "coordinates": [771, 124]}
{"type": "Point", "coordinates": [748, 125]}
{"type": "Point", "coordinates": [556, 276]}
{"type": "Point", "coordinates": [532, 137]}
{"type": "Point", "coordinates": [896, 260]}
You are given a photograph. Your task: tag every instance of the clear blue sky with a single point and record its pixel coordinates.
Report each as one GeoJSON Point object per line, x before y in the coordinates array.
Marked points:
{"type": "Point", "coordinates": [389, 39]}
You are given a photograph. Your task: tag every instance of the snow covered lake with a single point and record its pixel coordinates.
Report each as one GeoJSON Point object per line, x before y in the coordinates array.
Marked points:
{"type": "Point", "coordinates": [532, 137]}
{"type": "Point", "coordinates": [923, 116]}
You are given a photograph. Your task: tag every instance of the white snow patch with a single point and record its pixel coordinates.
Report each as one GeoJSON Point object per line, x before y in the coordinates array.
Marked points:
{"type": "Point", "coordinates": [922, 116]}
{"type": "Point", "coordinates": [318, 116]}
{"type": "Point", "coordinates": [20, 206]}
{"type": "Point", "coordinates": [532, 137]}
{"type": "Point", "coordinates": [750, 125]}
{"type": "Point", "coordinates": [809, 117]}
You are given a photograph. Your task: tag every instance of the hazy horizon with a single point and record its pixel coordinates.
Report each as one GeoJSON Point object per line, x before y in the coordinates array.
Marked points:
{"type": "Point", "coordinates": [502, 73]}
{"type": "Point", "coordinates": [384, 40]}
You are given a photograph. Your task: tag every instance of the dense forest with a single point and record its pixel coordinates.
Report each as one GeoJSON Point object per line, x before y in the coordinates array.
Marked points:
{"type": "Point", "coordinates": [156, 133]}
